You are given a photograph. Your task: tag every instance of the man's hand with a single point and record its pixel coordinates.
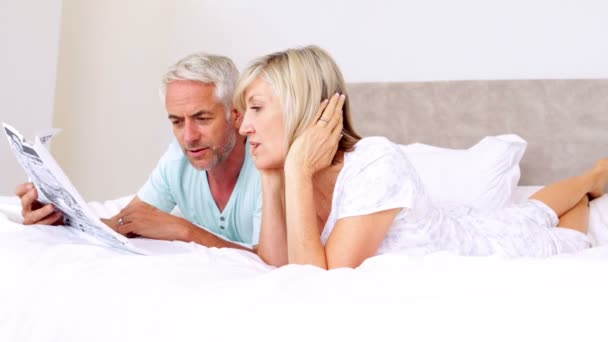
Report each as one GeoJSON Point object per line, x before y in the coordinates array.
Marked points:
{"type": "Point", "coordinates": [34, 212]}
{"type": "Point", "coordinates": [142, 219]}
{"type": "Point", "coordinates": [139, 218]}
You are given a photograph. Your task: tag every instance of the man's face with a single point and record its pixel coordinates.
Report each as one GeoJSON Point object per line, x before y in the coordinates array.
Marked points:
{"type": "Point", "coordinates": [199, 123]}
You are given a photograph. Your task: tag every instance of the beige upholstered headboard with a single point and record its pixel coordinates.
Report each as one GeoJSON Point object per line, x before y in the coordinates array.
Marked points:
{"type": "Point", "coordinates": [565, 122]}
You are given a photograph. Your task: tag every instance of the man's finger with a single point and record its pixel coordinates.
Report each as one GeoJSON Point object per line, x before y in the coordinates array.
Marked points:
{"type": "Point", "coordinates": [21, 189]}
{"type": "Point", "coordinates": [111, 222]}
{"type": "Point", "coordinates": [51, 219]}
{"type": "Point", "coordinates": [34, 217]}
{"type": "Point", "coordinates": [28, 198]}
{"type": "Point", "coordinates": [124, 229]}
{"type": "Point", "coordinates": [122, 220]}
{"type": "Point", "coordinates": [127, 229]}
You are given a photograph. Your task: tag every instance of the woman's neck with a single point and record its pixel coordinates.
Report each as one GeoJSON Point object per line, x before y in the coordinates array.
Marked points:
{"type": "Point", "coordinates": [324, 183]}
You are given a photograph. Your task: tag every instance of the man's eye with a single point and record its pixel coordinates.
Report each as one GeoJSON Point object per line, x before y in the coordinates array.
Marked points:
{"type": "Point", "coordinates": [202, 119]}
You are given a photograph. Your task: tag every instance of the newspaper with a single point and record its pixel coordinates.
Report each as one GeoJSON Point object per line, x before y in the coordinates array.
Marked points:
{"type": "Point", "coordinates": [54, 187]}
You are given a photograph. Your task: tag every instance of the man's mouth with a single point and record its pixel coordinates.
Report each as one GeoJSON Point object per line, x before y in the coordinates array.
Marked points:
{"type": "Point", "coordinates": [196, 152]}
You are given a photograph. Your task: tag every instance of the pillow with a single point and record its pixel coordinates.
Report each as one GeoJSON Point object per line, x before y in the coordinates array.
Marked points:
{"type": "Point", "coordinates": [481, 177]}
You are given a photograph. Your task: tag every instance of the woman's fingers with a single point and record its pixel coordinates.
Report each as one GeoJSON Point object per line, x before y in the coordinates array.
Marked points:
{"type": "Point", "coordinates": [329, 112]}
{"type": "Point", "coordinates": [336, 134]}
{"type": "Point", "coordinates": [335, 124]}
{"type": "Point", "coordinates": [319, 112]}
{"type": "Point", "coordinates": [332, 111]}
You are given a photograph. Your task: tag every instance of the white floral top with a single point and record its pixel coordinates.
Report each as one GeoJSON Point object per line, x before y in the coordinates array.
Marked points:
{"type": "Point", "coordinates": [377, 176]}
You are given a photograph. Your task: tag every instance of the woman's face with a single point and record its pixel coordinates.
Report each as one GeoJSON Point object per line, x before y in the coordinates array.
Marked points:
{"type": "Point", "coordinates": [264, 124]}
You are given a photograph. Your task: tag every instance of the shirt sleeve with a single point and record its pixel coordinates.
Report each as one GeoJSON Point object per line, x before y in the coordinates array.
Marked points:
{"type": "Point", "coordinates": [381, 179]}
{"type": "Point", "coordinates": [157, 190]}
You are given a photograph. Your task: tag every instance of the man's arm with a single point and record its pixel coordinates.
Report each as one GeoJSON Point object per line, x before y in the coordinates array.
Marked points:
{"type": "Point", "coordinates": [143, 219]}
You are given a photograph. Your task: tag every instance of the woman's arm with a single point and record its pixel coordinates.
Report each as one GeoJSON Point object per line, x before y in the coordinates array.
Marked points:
{"type": "Point", "coordinates": [303, 237]}
{"type": "Point", "coordinates": [357, 238]}
{"type": "Point", "coordinates": [272, 246]}
{"type": "Point", "coordinates": [352, 240]}
{"type": "Point", "coordinates": [311, 152]}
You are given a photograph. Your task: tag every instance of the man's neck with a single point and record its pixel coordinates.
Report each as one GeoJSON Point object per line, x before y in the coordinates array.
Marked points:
{"type": "Point", "coordinates": [222, 178]}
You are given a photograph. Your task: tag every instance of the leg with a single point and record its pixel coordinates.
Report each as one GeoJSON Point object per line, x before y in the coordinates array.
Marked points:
{"type": "Point", "coordinates": [578, 217]}
{"type": "Point", "coordinates": [564, 195]}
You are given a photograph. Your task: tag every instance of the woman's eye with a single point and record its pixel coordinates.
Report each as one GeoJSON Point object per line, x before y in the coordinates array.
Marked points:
{"type": "Point", "coordinates": [255, 108]}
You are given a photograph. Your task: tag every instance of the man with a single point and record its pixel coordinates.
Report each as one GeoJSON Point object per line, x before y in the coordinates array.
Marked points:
{"type": "Point", "coordinates": [207, 172]}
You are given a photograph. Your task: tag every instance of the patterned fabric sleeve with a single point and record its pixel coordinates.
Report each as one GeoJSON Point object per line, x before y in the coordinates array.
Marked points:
{"type": "Point", "coordinates": [380, 178]}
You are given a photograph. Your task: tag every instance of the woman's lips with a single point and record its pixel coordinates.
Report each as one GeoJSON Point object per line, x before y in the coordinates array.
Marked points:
{"type": "Point", "coordinates": [254, 147]}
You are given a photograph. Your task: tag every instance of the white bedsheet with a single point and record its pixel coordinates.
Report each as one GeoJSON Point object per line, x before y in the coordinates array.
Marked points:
{"type": "Point", "coordinates": [55, 286]}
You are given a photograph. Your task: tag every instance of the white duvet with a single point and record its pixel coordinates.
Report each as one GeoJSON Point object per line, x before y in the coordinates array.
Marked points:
{"type": "Point", "coordinates": [55, 286]}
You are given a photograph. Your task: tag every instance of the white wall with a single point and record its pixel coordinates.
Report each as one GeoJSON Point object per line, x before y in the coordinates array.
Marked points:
{"type": "Point", "coordinates": [29, 37]}
{"type": "Point", "coordinates": [112, 56]}
{"type": "Point", "coordinates": [113, 52]}
{"type": "Point", "coordinates": [409, 40]}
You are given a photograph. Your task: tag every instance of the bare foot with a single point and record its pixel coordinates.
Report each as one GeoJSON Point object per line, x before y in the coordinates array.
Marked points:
{"type": "Point", "coordinates": [601, 172]}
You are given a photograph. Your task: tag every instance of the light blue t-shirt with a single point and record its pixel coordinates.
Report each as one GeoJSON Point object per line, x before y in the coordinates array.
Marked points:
{"type": "Point", "coordinates": [175, 182]}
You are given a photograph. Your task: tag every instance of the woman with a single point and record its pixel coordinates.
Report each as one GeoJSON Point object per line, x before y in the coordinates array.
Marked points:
{"type": "Point", "coordinates": [333, 199]}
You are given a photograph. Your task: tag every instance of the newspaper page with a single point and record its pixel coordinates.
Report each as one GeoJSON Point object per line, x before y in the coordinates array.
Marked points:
{"type": "Point", "coordinates": [54, 187]}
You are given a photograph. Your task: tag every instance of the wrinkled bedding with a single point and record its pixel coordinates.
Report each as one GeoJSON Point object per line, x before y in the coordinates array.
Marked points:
{"type": "Point", "coordinates": [57, 286]}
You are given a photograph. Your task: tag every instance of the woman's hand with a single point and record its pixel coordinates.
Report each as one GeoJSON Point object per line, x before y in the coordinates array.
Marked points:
{"type": "Point", "coordinates": [316, 147]}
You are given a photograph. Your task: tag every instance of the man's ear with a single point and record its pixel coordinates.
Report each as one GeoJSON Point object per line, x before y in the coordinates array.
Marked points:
{"type": "Point", "coordinates": [237, 118]}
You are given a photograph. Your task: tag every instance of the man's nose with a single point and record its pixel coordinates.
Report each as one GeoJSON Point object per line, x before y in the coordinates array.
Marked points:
{"type": "Point", "coordinates": [191, 132]}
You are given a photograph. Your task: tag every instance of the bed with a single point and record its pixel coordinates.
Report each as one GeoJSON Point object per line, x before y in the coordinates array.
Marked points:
{"type": "Point", "coordinates": [56, 286]}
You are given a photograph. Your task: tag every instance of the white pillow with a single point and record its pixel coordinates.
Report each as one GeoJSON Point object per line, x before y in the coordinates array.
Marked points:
{"type": "Point", "coordinates": [482, 177]}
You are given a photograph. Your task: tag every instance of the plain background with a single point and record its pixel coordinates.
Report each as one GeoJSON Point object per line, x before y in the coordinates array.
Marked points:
{"type": "Point", "coordinates": [93, 67]}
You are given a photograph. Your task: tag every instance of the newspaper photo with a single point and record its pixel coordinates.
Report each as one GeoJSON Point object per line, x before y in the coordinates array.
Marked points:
{"type": "Point", "coordinates": [54, 187]}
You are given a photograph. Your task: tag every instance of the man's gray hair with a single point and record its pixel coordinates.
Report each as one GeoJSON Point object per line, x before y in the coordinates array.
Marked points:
{"type": "Point", "coordinates": [205, 68]}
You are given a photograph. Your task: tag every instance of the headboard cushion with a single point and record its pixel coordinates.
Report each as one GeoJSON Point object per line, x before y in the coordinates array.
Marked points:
{"type": "Point", "coordinates": [565, 122]}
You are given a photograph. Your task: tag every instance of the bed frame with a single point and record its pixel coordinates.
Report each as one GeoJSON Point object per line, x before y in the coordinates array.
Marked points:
{"type": "Point", "coordinates": [565, 122]}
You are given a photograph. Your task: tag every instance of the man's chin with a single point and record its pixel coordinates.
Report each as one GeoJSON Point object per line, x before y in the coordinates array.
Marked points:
{"type": "Point", "coordinates": [201, 165]}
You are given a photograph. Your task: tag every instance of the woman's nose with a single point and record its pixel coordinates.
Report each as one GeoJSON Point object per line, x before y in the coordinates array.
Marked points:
{"type": "Point", "coordinates": [246, 126]}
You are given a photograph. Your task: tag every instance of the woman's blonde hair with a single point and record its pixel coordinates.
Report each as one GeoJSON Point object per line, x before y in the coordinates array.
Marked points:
{"type": "Point", "coordinates": [301, 79]}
